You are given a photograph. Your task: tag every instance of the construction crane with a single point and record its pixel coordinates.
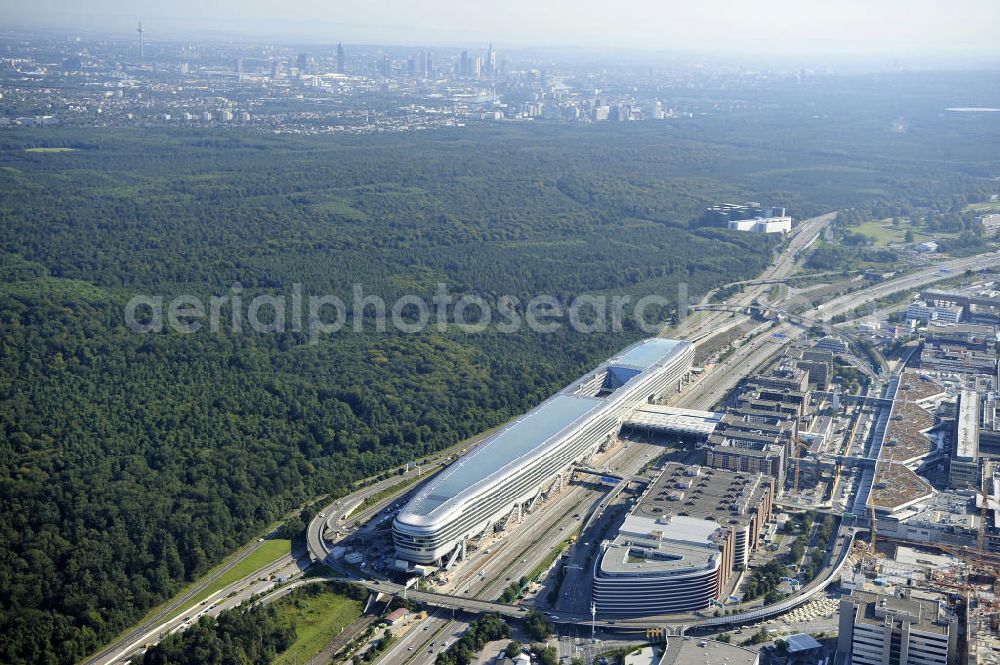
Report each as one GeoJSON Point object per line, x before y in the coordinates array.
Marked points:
{"type": "Point", "coordinates": [984, 500]}
{"type": "Point", "coordinates": [799, 446]}
{"type": "Point", "coordinates": [871, 544]}
{"type": "Point", "coordinates": [871, 507]}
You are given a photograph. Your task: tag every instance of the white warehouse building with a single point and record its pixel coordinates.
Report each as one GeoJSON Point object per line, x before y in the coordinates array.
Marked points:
{"type": "Point", "coordinates": [513, 466]}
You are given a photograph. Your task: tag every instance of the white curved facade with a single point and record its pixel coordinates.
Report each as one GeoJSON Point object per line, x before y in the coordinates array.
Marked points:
{"type": "Point", "coordinates": [512, 465]}
{"type": "Point", "coordinates": [660, 567]}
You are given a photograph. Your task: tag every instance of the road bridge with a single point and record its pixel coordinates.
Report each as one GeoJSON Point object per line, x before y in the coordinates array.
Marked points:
{"type": "Point", "coordinates": [765, 311]}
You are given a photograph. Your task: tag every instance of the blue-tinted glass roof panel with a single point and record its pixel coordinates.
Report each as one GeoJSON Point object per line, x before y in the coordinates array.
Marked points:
{"type": "Point", "coordinates": [502, 448]}
{"type": "Point", "coordinates": [619, 376]}
{"type": "Point", "coordinates": [647, 353]}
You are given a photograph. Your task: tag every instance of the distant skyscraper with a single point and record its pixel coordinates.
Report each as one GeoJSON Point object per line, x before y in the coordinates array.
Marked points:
{"type": "Point", "coordinates": [422, 68]}
{"type": "Point", "coordinates": [386, 66]}
{"type": "Point", "coordinates": [340, 58]}
{"type": "Point", "coordinates": [477, 67]}
{"type": "Point", "coordinates": [142, 48]}
{"type": "Point", "coordinates": [491, 61]}
{"type": "Point", "coordinates": [430, 65]}
{"type": "Point", "coordinates": [464, 67]}
{"type": "Point", "coordinates": [302, 61]}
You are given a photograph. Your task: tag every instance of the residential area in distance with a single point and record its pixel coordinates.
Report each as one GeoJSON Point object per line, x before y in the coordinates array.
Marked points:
{"type": "Point", "coordinates": [475, 335]}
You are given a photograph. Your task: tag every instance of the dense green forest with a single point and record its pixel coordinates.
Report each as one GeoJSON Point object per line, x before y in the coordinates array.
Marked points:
{"type": "Point", "coordinates": [133, 462]}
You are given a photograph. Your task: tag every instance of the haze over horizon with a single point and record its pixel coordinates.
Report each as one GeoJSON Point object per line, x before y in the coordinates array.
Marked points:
{"type": "Point", "coordinates": [851, 27]}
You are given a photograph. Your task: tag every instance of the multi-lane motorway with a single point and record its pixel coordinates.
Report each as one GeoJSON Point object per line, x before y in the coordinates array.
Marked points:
{"type": "Point", "coordinates": [482, 579]}
{"type": "Point", "coordinates": [497, 564]}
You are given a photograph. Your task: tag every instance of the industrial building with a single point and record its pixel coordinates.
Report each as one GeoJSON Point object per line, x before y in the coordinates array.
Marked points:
{"type": "Point", "coordinates": [910, 627]}
{"type": "Point", "coordinates": [749, 216]}
{"type": "Point", "coordinates": [680, 545]}
{"type": "Point", "coordinates": [970, 335]}
{"type": "Point", "coordinates": [957, 358]}
{"type": "Point", "coordinates": [511, 468]}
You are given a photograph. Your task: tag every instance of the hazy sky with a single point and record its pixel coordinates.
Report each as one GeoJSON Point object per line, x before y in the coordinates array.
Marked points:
{"type": "Point", "coordinates": [810, 26]}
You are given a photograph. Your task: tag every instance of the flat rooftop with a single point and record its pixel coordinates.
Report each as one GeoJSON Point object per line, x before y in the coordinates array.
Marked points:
{"type": "Point", "coordinates": [976, 330]}
{"type": "Point", "coordinates": [691, 650]}
{"type": "Point", "coordinates": [905, 437]}
{"type": "Point", "coordinates": [923, 610]}
{"type": "Point", "coordinates": [667, 546]}
{"type": "Point", "coordinates": [953, 511]}
{"type": "Point", "coordinates": [896, 487]}
{"type": "Point", "coordinates": [967, 427]}
{"type": "Point", "coordinates": [702, 492]}
{"type": "Point", "coordinates": [915, 386]}
{"type": "Point", "coordinates": [673, 419]}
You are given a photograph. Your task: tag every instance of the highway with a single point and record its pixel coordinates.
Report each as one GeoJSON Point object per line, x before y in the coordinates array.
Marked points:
{"type": "Point", "coordinates": [698, 326]}
{"type": "Point", "coordinates": [291, 566]}
{"type": "Point", "coordinates": [714, 385]}
{"type": "Point", "coordinates": [110, 653]}
{"type": "Point", "coordinates": [485, 575]}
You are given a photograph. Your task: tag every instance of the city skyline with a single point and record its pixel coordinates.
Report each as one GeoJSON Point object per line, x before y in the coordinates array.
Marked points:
{"type": "Point", "coordinates": [886, 27]}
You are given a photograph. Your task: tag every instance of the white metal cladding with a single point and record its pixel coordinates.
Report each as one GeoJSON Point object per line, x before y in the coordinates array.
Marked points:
{"type": "Point", "coordinates": [511, 466]}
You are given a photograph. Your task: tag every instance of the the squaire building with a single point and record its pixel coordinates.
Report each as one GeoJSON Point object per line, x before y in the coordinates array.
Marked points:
{"type": "Point", "coordinates": [511, 466]}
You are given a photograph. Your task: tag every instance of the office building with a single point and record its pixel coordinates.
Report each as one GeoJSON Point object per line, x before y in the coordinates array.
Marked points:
{"type": "Point", "coordinates": [512, 467]}
{"type": "Point", "coordinates": [963, 464]}
{"type": "Point", "coordinates": [910, 628]}
{"type": "Point", "coordinates": [680, 545]}
{"type": "Point", "coordinates": [749, 216]}
{"type": "Point", "coordinates": [833, 344]}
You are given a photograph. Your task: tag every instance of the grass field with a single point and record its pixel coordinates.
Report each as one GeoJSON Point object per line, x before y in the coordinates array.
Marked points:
{"type": "Point", "coordinates": [317, 619]}
{"type": "Point", "coordinates": [884, 233]}
{"type": "Point", "coordinates": [991, 206]}
{"type": "Point", "coordinates": [268, 552]}
{"type": "Point", "coordinates": [50, 149]}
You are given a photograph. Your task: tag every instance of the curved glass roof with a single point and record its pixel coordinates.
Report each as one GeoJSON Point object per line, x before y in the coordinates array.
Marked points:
{"type": "Point", "coordinates": [504, 447]}
{"type": "Point", "coordinates": [546, 421]}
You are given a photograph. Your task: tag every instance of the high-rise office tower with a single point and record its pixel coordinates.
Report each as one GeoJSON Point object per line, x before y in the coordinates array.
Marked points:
{"type": "Point", "coordinates": [477, 67]}
{"type": "Point", "coordinates": [340, 58]}
{"type": "Point", "coordinates": [422, 68]}
{"type": "Point", "coordinates": [464, 67]}
{"type": "Point", "coordinates": [142, 49]}
{"type": "Point", "coordinates": [491, 61]}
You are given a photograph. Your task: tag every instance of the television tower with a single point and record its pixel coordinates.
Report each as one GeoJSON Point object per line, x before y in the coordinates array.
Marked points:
{"type": "Point", "coordinates": [141, 50]}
